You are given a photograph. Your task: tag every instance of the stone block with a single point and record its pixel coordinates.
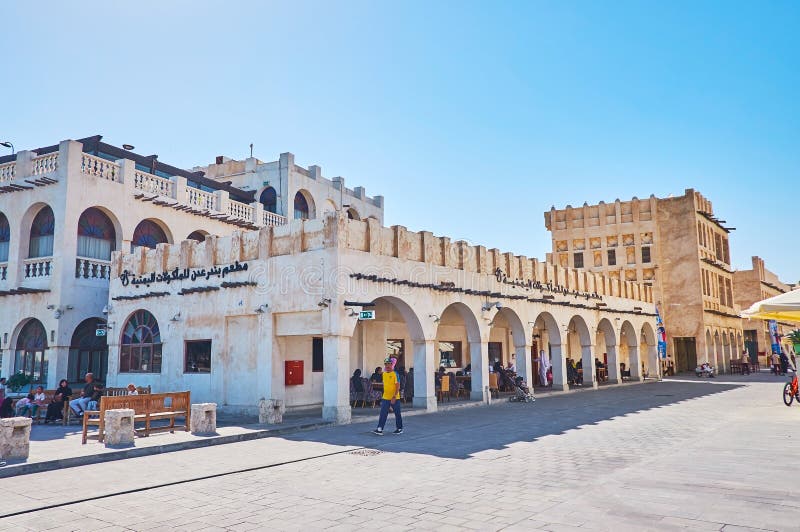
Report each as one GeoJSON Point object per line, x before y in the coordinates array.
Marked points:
{"type": "Point", "coordinates": [271, 411]}
{"type": "Point", "coordinates": [118, 427]}
{"type": "Point", "coordinates": [15, 438]}
{"type": "Point", "coordinates": [203, 418]}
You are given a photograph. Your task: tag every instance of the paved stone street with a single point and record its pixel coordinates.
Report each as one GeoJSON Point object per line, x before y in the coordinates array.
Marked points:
{"type": "Point", "coordinates": [681, 454]}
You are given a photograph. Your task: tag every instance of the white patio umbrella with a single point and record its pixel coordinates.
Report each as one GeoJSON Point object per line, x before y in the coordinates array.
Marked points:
{"type": "Point", "coordinates": [784, 307]}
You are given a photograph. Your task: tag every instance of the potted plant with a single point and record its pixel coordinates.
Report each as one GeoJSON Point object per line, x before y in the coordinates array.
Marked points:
{"type": "Point", "coordinates": [18, 381]}
{"type": "Point", "coordinates": [794, 336]}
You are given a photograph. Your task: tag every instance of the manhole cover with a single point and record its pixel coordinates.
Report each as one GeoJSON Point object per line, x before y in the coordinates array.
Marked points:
{"type": "Point", "coordinates": [365, 452]}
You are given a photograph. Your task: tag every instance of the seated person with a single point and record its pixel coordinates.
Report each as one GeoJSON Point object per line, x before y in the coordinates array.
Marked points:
{"type": "Point", "coordinates": [377, 375]}
{"type": "Point", "coordinates": [6, 410]}
{"type": "Point", "coordinates": [39, 401]}
{"type": "Point", "coordinates": [598, 364]}
{"type": "Point", "coordinates": [132, 389]}
{"type": "Point", "coordinates": [97, 393]}
{"type": "Point", "coordinates": [79, 404]}
{"type": "Point", "coordinates": [25, 406]}
{"type": "Point", "coordinates": [55, 410]}
{"type": "Point", "coordinates": [468, 369]}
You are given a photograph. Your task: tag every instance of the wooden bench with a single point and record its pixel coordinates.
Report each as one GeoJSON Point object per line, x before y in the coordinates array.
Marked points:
{"type": "Point", "coordinates": [141, 390]}
{"type": "Point", "coordinates": [147, 408]}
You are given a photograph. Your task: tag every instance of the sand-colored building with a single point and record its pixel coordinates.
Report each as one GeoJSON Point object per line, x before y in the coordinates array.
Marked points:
{"type": "Point", "coordinates": [751, 286]}
{"type": "Point", "coordinates": [678, 246]}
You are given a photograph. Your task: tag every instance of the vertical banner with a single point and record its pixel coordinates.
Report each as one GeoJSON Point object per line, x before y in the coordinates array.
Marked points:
{"type": "Point", "coordinates": [662, 336]}
{"type": "Point", "coordinates": [773, 337]}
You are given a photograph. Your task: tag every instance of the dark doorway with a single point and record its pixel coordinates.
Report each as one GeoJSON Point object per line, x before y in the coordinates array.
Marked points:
{"type": "Point", "coordinates": [751, 344]}
{"type": "Point", "coordinates": [685, 354]}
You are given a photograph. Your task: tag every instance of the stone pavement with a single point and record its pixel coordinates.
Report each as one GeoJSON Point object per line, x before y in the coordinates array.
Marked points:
{"type": "Point", "coordinates": [680, 454]}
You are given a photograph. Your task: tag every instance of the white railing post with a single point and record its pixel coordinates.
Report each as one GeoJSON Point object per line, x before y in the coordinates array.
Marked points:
{"type": "Point", "coordinates": [258, 213]}
{"type": "Point", "coordinates": [126, 170]}
{"type": "Point", "coordinates": [180, 192]}
{"type": "Point", "coordinates": [222, 199]}
{"type": "Point", "coordinates": [24, 164]}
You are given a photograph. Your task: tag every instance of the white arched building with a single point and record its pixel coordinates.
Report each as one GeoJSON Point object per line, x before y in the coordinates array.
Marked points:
{"type": "Point", "coordinates": [64, 209]}
{"type": "Point", "coordinates": [227, 317]}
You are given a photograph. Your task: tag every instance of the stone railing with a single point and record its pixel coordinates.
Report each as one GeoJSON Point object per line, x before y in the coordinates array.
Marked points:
{"type": "Point", "coordinates": [91, 165]}
{"type": "Point", "coordinates": [38, 268]}
{"type": "Point", "coordinates": [92, 268]}
{"type": "Point", "coordinates": [240, 210]}
{"type": "Point", "coordinates": [201, 198]}
{"type": "Point", "coordinates": [3, 271]}
{"type": "Point", "coordinates": [8, 171]}
{"type": "Point", "coordinates": [153, 184]}
{"type": "Point", "coordinates": [44, 164]}
{"type": "Point", "coordinates": [270, 218]}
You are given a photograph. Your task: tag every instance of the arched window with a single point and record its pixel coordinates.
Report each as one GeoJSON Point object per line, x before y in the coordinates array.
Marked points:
{"type": "Point", "coordinates": [353, 214]}
{"type": "Point", "coordinates": [96, 235]}
{"type": "Point", "coordinates": [148, 234]}
{"type": "Point", "coordinates": [88, 353]}
{"type": "Point", "coordinates": [300, 207]}
{"type": "Point", "coordinates": [197, 235]}
{"type": "Point", "coordinates": [269, 199]}
{"type": "Point", "coordinates": [140, 350]}
{"type": "Point", "coordinates": [31, 357]}
{"type": "Point", "coordinates": [5, 237]}
{"type": "Point", "coordinates": [41, 243]}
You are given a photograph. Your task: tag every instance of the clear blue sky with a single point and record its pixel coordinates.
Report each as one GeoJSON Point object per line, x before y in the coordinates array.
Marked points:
{"type": "Point", "coordinates": [471, 118]}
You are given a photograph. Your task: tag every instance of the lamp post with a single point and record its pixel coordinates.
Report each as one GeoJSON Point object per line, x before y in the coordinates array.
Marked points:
{"type": "Point", "coordinates": [8, 144]}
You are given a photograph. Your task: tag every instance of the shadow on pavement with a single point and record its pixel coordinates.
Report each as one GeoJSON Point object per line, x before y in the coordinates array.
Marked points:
{"type": "Point", "coordinates": [461, 433]}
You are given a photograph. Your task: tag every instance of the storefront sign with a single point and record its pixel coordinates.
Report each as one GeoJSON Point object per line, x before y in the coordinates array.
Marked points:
{"type": "Point", "coordinates": [530, 284]}
{"type": "Point", "coordinates": [99, 332]}
{"type": "Point", "coordinates": [366, 315]}
{"type": "Point", "coordinates": [181, 275]}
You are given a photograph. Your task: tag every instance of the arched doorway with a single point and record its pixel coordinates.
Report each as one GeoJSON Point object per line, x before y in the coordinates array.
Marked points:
{"type": "Point", "coordinates": [5, 240]}
{"type": "Point", "coordinates": [88, 353]}
{"type": "Point", "coordinates": [458, 325]}
{"type": "Point", "coordinates": [607, 338]}
{"type": "Point", "coordinates": [148, 234]}
{"type": "Point", "coordinates": [709, 347]}
{"type": "Point", "coordinates": [41, 236]}
{"type": "Point", "coordinates": [649, 351]}
{"type": "Point", "coordinates": [303, 206]}
{"type": "Point", "coordinates": [717, 351]}
{"type": "Point", "coordinates": [353, 214]}
{"type": "Point", "coordinates": [397, 332]}
{"type": "Point", "coordinates": [140, 345]}
{"type": "Point", "coordinates": [726, 353]}
{"type": "Point", "coordinates": [580, 350]}
{"type": "Point", "coordinates": [508, 346]}
{"type": "Point", "coordinates": [630, 339]}
{"type": "Point", "coordinates": [96, 235]}
{"type": "Point", "coordinates": [197, 236]}
{"type": "Point", "coordinates": [31, 352]}
{"type": "Point", "coordinates": [269, 199]}
{"type": "Point", "coordinates": [546, 327]}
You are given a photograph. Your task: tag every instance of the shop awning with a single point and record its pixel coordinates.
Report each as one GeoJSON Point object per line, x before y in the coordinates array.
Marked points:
{"type": "Point", "coordinates": [785, 307]}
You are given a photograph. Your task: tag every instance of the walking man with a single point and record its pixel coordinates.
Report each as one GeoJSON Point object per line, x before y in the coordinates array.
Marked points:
{"type": "Point", "coordinates": [391, 398]}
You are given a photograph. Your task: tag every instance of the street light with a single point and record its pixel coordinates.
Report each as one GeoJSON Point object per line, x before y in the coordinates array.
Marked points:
{"type": "Point", "coordinates": [7, 144]}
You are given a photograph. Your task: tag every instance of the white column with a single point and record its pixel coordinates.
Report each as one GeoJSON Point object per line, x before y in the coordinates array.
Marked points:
{"type": "Point", "coordinates": [524, 366]}
{"type": "Point", "coordinates": [613, 365]}
{"type": "Point", "coordinates": [424, 386]}
{"type": "Point", "coordinates": [181, 194]}
{"type": "Point", "coordinates": [258, 214]}
{"type": "Point", "coordinates": [636, 364]}
{"type": "Point", "coordinates": [558, 360]}
{"type": "Point", "coordinates": [589, 374]}
{"type": "Point", "coordinates": [479, 358]}
{"type": "Point", "coordinates": [336, 388]}
{"type": "Point", "coordinates": [653, 364]}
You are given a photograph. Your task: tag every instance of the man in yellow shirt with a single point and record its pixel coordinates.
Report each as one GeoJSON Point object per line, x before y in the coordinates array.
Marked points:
{"type": "Point", "coordinates": [391, 398]}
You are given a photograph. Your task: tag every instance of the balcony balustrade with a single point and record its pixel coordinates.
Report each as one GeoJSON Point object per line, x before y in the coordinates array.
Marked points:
{"type": "Point", "coordinates": [92, 269]}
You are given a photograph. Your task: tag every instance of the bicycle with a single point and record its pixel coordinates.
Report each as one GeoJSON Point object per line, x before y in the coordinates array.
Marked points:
{"type": "Point", "coordinates": [791, 391]}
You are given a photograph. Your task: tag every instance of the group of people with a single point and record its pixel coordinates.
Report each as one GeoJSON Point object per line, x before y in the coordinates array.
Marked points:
{"type": "Point", "coordinates": [31, 404]}
{"type": "Point", "coordinates": [780, 363]}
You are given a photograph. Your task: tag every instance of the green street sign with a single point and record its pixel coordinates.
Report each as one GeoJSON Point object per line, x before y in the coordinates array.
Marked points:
{"type": "Point", "coordinates": [366, 315]}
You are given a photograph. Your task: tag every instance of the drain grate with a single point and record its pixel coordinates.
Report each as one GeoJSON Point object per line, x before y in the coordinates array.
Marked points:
{"type": "Point", "coordinates": [365, 452]}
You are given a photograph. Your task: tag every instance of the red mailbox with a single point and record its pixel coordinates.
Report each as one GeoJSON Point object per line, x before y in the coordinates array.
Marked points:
{"type": "Point", "coordinates": [294, 372]}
